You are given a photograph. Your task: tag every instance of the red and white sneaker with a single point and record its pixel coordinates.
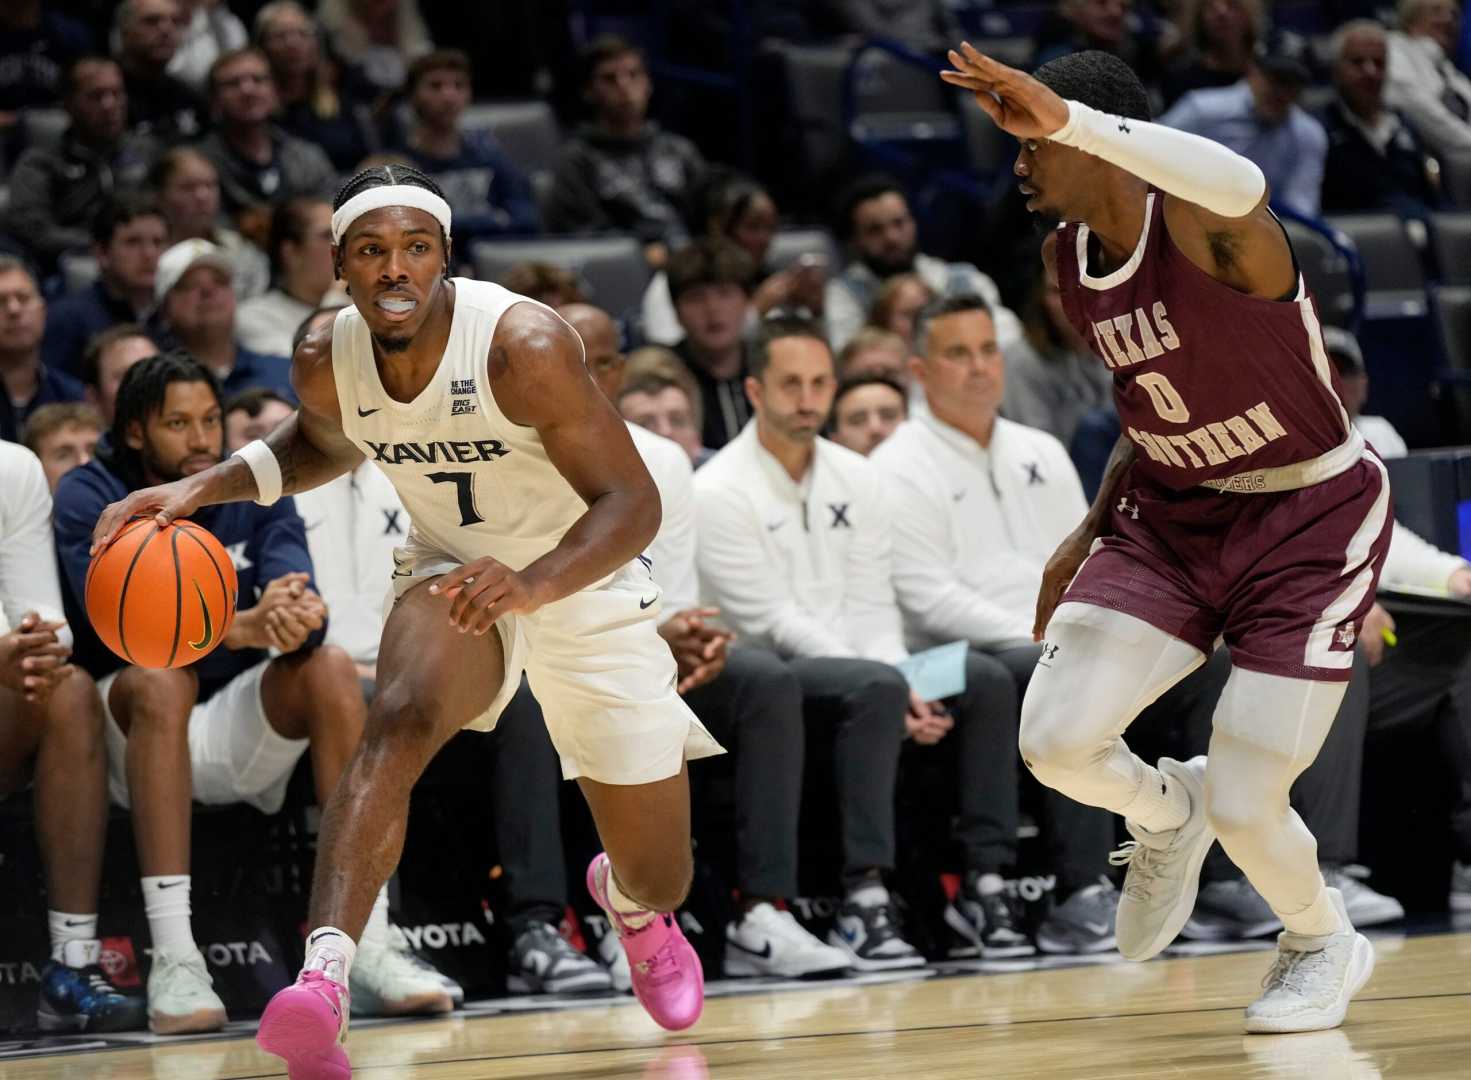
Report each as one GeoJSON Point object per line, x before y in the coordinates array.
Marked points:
{"type": "Point", "coordinates": [306, 1025]}
{"type": "Point", "coordinates": [667, 978]}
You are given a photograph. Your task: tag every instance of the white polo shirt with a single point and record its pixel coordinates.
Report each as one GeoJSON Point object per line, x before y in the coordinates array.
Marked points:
{"type": "Point", "coordinates": [974, 526]}
{"type": "Point", "coordinates": [801, 568]}
{"type": "Point", "coordinates": [673, 549]}
{"type": "Point", "coordinates": [352, 525]}
{"type": "Point", "coordinates": [29, 579]}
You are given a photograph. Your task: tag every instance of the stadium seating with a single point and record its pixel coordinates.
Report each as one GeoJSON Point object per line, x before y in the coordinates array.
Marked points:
{"type": "Point", "coordinates": [612, 268]}
{"type": "Point", "coordinates": [1450, 237]}
{"type": "Point", "coordinates": [790, 244]}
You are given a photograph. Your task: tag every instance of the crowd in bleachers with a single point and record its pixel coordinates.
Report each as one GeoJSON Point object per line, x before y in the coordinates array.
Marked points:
{"type": "Point", "coordinates": [815, 297]}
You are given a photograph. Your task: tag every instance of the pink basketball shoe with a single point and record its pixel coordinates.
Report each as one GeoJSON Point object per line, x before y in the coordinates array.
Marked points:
{"type": "Point", "coordinates": [667, 978]}
{"type": "Point", "coordinates": [306, 1024]}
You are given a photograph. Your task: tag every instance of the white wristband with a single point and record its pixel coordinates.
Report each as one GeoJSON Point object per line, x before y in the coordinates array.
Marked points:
{"type": "Point", "coordinates": [265, 468]}
{"type": "Point", "coordinates": [1187, 166]}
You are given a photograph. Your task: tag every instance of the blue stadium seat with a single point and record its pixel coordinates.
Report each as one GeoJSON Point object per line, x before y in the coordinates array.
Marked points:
{"type": "Point", "coordinates": [790, 244]}
{"type": "Point", "coordinates": [527, 130]}
{"type": "Point", "coordinates": [1450, 238]}
{"type": "Point", "coordinates": [612, 268]}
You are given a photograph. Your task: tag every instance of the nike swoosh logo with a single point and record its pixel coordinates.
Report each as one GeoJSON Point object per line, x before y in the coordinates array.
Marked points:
{"type": "Point", "coordinates": [168, 884]}
{"type": "Point", "coordinates": [1097, 928]}
{"type": "Point", "coordinates": [313, 939]}
{"type": "Point", "coordinates": [366, 412]}
{"type": "Point", "coordinates": [765, 953]}
{"type": "Point", "coordinates": [643, 604]}
{"type": "Point", "coordinates": [79, 922]}
{"type": "Point", "coordinates": [209, 626]}
{"type": "Point", "coordinates": [313, 525]}
{"type": "Point", "coordinates": [772, 527]}
{"type": "Point", "coordinates": [958, 496]}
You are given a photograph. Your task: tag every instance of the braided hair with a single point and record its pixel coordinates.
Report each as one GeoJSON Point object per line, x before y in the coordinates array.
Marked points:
{"type": "Point", "coordinates": [388, 176]}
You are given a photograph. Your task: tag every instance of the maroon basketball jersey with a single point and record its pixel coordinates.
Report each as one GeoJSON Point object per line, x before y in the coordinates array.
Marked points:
{"type": "Point", "coordinates": [1209, 382]}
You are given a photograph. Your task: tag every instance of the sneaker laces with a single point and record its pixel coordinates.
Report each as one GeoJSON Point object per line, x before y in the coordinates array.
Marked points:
{"type": "Point", "coordinates": [1293, 969]}
{"type": "Point", "coordinates": [1143, 863]}
{"type": "Point", "coordinates": [663, 966]}
{"type": "Point", "coordinates": [169, 963]}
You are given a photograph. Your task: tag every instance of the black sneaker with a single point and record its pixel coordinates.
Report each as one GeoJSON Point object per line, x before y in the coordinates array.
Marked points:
{"type": "Point", "coordinates": [870, 935]}
{"type": "Point", "coordinates": [81, 999]}
{"type": "Point", "coordinates": [544, 962]}
{"type": "Point", "coordinates": [1083, 924]}
{"type": "Point", "coordinates": [989, 925]}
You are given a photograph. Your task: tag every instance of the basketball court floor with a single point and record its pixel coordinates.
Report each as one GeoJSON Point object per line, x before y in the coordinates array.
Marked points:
{"type": "Point", "coordinates": [1178, 1016]}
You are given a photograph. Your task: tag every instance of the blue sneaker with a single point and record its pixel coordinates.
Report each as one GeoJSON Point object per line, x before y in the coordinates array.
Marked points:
{"type": "Point", "coordinates": [76, 996]}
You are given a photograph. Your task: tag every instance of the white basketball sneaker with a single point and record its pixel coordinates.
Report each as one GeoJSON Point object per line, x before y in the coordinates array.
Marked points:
{"type": "Point", "coordinates": [181, 995]}
{"type": "Point", "coordinates": [1164, 870]}
{"type": "Point", "coordinates": [386, 981]}
{"type": "Point", "coordinates": [1313, 979]}
{"type": "Point", "coordinates": [771, 942]}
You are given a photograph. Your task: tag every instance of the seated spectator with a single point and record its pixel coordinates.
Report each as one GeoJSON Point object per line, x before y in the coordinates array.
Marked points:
{"type": "Point", "coordinates": [873, 351]}
{"type": "Point", "coordinates": [1054, 383]}
{"type": "Point", "coordinates": [621, 172]}
{"type": "Point", "coordinates": [55, 191]}
{"type": "Point", "coordinates": [106, 361]}
{"type": "Point", "coordinates": [659, 393]}
{"type": "Point", "coordinates": [258, 163]}
{"type": "Point", "coordinates": [1108, 25]}
{"type": "Point", "coordinates": [555, 286]}
{"type": "Point", "coordinates": [979, 504]}
{"type": "Point", "coordinates": [37, 45]}
{"type": "Point", "coordinates": [62, 436]}
{"type": "Point", "coordinates": [793, 547]}
{"type": "Point", "coordinates": [188, 186]}
{"type": "Point", "coordinates": [254, 414]}
{"type": "Point", "coordinates": [128, 236]}
{"type": "Point", "coordinates": [710, 283]}
{"type": "Point", "coordinates": [301, 266]}
{"type": "Point", "coordinates": [1260, 119]}
{"type": "Point", "coordinates": [489, 194]}
{"type": "Point", "coordinates": [898, 301]}
{"type": "Point", "coordinates": [148, 34]}
{"type": "Point", "coordinates": [866, 410]}
{"type": "Point", "coordinates": [1218, 38]}
{"type": "Point", "coordinates": [196, 312]}
{"type": "Point", "coordinates": [262, 713]}
{"type": "Point", "coordinates": [1423, 82]}
{"type": "Point", "coordinates": [51, 741]}
{"type": "Point", "coordinates": [1375, 159]}
{"type": "Point", "coordinates": [210, 29]}
{"type": "Point", "coordinates": [377, 39]}
{"type": "Point", "coordinates": [25, 379]}
{"type": "Point", "coordinates": [874, 221]}
{"type": "Point", "coordinates": [924, 25]}
{"type": "Point", "coordinates": [745, 696]}
{"type": "Point", "coordinates": [738, 209]}
{"type": "Point", "coordinates": [314, 106]}
{"type": "Point", "coordinates": [1343, 349]}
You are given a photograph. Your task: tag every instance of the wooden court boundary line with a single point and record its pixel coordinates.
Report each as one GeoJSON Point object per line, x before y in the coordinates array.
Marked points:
{"type": "Point", "coordinates": [836, 1035]}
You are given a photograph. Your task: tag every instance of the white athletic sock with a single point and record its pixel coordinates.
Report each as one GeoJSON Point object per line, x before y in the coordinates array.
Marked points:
{"type": "Point", "coordinates": [1318, 919]}
{"type": "Point", "coordinates": [633, 914]}
{"type": "Point", "coordinates": [375, 933]}
{"type": "Point", "coordinates": [166, 901]}
{"type": "Point", "coordinates": [67, 927]}
{"type": "Point", "coordinates": [330, 950]}
{"type": "Point", "coordinates": [1159, 805]}
{"type": "Point", "coordinates": [869, 894]}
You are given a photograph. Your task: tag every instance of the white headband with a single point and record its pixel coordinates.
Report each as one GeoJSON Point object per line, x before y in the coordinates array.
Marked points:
{"type": "Point", "coordinates": [377, 198]}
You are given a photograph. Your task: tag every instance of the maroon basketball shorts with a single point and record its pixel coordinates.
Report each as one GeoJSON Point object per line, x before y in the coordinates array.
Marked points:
{"type": "Point", "coordinates": [1284, 579]}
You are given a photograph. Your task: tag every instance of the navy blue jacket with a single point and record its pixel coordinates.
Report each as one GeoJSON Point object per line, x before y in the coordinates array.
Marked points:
{"type": "Point", "coordinates": [74, 319]}
{"type": "Point", "coordinates": [54, 386]}
{"type": "Point", "coordinates": [253, 369]}
{"type": "Point", "coordinates": [263, 542]}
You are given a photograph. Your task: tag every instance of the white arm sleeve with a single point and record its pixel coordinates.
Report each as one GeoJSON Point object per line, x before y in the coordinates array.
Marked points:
{"type": "Point", "coordinates": [1414, 561]}
{"type": "Point", "coordinates": [1187, 166]}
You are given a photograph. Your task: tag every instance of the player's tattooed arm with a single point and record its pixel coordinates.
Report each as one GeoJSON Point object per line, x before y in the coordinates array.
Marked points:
{"type": "Point", "coordinates": [310, 445]}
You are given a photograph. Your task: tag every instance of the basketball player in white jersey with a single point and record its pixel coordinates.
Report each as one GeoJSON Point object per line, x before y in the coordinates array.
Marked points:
{"type": "Point", "coordinates": [529, 509]}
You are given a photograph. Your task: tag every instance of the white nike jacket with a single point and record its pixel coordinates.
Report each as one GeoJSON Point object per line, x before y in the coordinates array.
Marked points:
{"type": "Point", "coordinates": [800, 568]}
{"type": "Point", "coordinates": [973, 527]}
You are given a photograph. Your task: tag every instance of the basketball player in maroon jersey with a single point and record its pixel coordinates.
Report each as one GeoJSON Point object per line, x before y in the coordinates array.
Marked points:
{"type": "Point", "coordinates": [1239, 505]}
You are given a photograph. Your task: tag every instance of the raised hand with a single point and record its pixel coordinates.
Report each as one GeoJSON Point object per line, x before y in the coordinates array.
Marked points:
{"type": "Point", "coordinates": [1019, 104]}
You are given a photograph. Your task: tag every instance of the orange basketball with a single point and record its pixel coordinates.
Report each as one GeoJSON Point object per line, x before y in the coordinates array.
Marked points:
{"type": "Point", "coordinates": [162, 598]}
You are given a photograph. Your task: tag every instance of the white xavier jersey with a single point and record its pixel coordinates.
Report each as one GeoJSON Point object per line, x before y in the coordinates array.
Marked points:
{"type": "Point", "coordinates": [473, 483]}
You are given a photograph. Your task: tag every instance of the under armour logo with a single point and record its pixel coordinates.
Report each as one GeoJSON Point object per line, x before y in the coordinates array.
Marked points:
{"type": "Point", "coordinates": [391, 526]}
{"type": "Point", "coordinates": [648, 562]}
{"type": "Point", "coordinates": [1124, 507]}
{"type": "Point", "coordinates": [840, 515]}
{"type": "Point", "coordinates": [1345, 635]}
{"type": "Point", "coordinates": [1034, 474]}
{"type": "Point", "coordinates": [1048, 652]}
{"type": "Point", "coordinates": [1123, 125]}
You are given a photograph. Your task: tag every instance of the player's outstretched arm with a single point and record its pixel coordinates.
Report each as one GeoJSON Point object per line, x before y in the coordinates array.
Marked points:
{"type": "Point", "coordinates": [306, 450]}
{"type": "Point", "coordinates": [540, 380]}
{"type": "Point", "coordinates": [1060, 570]}
{"type": "Point", "coordinates": [1216, 199]}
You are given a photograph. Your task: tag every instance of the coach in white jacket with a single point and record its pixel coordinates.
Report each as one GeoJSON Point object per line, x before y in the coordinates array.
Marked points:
{"type": "Point", "coordinates": [979, 504]}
